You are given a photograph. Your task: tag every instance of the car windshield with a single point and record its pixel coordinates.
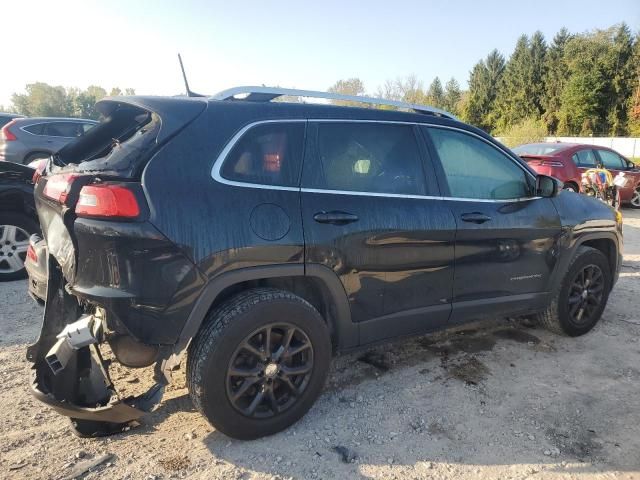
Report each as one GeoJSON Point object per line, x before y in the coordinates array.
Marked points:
{"type": "Point", "coordinates": [538, 149]}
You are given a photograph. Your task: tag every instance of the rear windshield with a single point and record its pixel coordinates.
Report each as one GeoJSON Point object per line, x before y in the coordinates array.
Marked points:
{"type": "Point", "coordinates": [538, 149]}
{"type": "Point", "coordinates": [125, 137]}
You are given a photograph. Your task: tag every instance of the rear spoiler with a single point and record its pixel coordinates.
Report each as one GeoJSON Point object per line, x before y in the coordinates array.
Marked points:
{"type": "Point", "coordinates": [174, 112]}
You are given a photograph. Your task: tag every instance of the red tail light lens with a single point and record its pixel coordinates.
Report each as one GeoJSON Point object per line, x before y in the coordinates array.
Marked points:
{"type": "Point", "coordinates": [31, 254]}
{"type": "Point", "coordinates": [107, 201]}
{"type": "Point", "coordinates": [7, 135]}
{"type": "Point", "coordinates": [58, 186]}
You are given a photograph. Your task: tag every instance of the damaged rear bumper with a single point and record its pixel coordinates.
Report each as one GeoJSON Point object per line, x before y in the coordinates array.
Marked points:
{"type": "Point", "coordinates": [70, 374]}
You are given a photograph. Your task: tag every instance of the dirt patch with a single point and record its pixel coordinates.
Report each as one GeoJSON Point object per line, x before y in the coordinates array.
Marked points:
{"type": "Point", "coordinates": [470, 370]}
{"type": "Point", "coordinates": [516, 335]}
{"type": "Point", "coordinates": [176, 463]}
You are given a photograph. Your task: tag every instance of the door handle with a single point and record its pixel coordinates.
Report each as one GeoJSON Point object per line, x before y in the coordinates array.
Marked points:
{"type": "Point", "coordinates": [475, 217]}
{"type": "Point", "coordinates": [335, 218]}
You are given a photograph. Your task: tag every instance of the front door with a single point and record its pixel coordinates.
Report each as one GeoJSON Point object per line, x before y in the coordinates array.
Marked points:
{"type": "Point", "coordinates": [506, 239]}
{"type": "Point", "coordinates": [372, 216]}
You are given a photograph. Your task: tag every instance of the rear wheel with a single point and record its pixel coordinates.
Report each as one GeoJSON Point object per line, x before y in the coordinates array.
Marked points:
{"type": "Point", "coordinates": [15, 230]}
{"type": "Point", "coordinates": [635, 198]}
{"type": "Point", "coordinates": [571, 187]}
{"type": "Point", "coordinates": [259, 363]}
{"type": "Point", "coordinates": [579, 304]}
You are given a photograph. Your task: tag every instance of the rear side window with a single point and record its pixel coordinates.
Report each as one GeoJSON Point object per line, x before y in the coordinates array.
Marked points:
{"type": "Point", "coordinates": [63, 129]}
{"type": "Point", "coordinates": [369, 157]}
{"type": "Point", "coordinates": [267, 154]}
{"type": "Point", "coordinates": [585, 158]}
{"type": "Point", "coordinates": [475, 169]}
{"type": "Point", "coordinates": [36, 129]}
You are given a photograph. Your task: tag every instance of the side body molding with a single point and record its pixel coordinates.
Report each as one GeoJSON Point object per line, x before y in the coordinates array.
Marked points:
{"type": "Point", "coordinates": [343, 329]}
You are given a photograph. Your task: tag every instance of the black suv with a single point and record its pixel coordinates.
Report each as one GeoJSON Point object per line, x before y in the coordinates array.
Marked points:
{"type": "Point", "coordinates": [257, 238]}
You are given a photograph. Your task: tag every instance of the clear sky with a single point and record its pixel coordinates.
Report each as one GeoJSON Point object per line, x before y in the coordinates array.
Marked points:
{"type": "Point", "coordinates": [287, 43]}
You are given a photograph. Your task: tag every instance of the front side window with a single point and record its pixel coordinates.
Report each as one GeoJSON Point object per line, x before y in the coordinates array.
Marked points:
{"type": "Point", "coordinates": [268, 154]}
{"type": "Point", "coordinates": [368, 157]}
{"type": "Point", "coordinates": [611, 160]}
{"type": "Point", "coordinates": [475, 169]}
{"type": "Point", "coordinates": [585, 159]}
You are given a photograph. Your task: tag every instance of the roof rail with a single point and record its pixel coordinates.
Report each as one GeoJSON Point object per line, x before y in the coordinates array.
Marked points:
{"type": "Point", "coordinates": [266, 94]}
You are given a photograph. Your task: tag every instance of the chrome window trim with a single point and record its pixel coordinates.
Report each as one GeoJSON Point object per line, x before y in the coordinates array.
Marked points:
{"type": "Point", "coordinates": [70, 120]}
{"type": "Point", "coordinates": [217, 165]}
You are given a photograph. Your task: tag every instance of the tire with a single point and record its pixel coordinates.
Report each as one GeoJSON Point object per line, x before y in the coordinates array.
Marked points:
{"type": "Point", "coordinates": [245, 319]}
{"type": "Point", "coordinates": [571, 187]}
{"type": "Point", "coordinates": [35, 156]}
{"type": "Point", "coordinates": [558, 316]}
{"type": "Point", "coordinates": [15, 230]}
{"type": "Point", "coordinates": [635, 198]}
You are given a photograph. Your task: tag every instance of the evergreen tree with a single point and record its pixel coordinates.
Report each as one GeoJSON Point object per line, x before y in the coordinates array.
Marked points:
{"type": "Point", "coordinates": [515, 98]}
{"type": "Point", "coordinates": [634, 100]}
{"type": "Point", "coordinates": [452, 96]}
{"type": "Point", "coordinates": [435, 94]}
{"type": "Point", "coordinates": [484, 80]}
{"type": "Point", "coordinates": [538, 52]}
{"type": "Point", "coordinates": [556, 76]}
{"type": "Point", "coordinates": [621, 56]}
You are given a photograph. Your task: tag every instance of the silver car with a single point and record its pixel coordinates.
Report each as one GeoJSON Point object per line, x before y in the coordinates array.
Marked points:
{"type": "Point", "coordinates": [24, 140]}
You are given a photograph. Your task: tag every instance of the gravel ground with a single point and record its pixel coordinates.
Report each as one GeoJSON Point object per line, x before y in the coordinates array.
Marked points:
{"type": "Point", "coordinates": [495, 400]}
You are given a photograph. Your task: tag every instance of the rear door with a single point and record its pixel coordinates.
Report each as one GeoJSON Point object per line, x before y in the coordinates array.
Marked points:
{"type": "Point", "coordinates": [506, 239]}
{"type": "Point", "coordinates": [372, 216]}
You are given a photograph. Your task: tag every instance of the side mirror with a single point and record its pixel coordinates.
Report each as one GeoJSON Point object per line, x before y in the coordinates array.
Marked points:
{"type": "Point", "coordinates": [630, 165]}
{"type": "Point", "coordinates": [547, 186]}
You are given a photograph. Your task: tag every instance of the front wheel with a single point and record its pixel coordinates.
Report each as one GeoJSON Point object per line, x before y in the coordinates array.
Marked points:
{"type": "Point", "coordinates": [259, 363]}
{"type": "Point", "coordinates": [584, 292]}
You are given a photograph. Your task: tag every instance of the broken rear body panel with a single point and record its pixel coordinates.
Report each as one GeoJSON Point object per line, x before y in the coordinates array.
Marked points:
{"type": "Point", "coordinates": [124, 274]}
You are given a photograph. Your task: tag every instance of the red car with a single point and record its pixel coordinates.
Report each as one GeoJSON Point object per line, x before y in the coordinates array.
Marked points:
{"type": "Point", "coordinates": [567, 162]}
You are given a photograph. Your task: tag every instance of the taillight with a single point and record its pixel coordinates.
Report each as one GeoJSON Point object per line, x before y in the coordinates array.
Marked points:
{"type": "Point", "coordinates": [59, 186]}
{"type": "Point", "coordinates": [552, 163]}
{"type": "Point", "coordinates": [8, 135]}
{"type": "Point", "coordinates": [107, 201]}
{"type": "Point", "coordinates": [31, 254]}
{"type": "Point", "coordinates": [41, 165]}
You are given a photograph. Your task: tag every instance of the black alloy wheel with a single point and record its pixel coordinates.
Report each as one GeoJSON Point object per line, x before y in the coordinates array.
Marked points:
{"type": "Point", "coordinates": [269, 370]}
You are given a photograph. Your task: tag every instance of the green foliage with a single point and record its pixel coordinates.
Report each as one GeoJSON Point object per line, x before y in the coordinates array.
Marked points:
{"type": "Point", "coordinates": [435, 94]}
{"type": "Point", "coordinates": [484, 82]}
{"type": "Point", "coordinates": [43, 100]}
{"type": "Point", "coordinates": [452, 97]}
{"type": "Point", "coordinates": [556, 76]}
{"type": "Point", "coordinates": [529, 130]}
{"type": "Point", "coordinates": [633, 107]}
{"type": "Point", "coordinates": [521, 91]}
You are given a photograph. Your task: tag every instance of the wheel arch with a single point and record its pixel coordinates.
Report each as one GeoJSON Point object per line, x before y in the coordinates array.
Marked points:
{"type": "Point", "coordinates": [316, 284]}
{"type": "Point", "coordinates": [605, 242]}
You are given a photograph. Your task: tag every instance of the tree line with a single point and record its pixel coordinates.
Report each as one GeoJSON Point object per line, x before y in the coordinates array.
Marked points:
{"type": "Point", "coordinates": [43, 100]}
{"type": "Point", "coordinates": [579, 84]}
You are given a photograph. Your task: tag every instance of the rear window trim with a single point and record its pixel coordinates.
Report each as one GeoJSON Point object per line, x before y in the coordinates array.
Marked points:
{"type": "Point", "coordinates": [217, 166]}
